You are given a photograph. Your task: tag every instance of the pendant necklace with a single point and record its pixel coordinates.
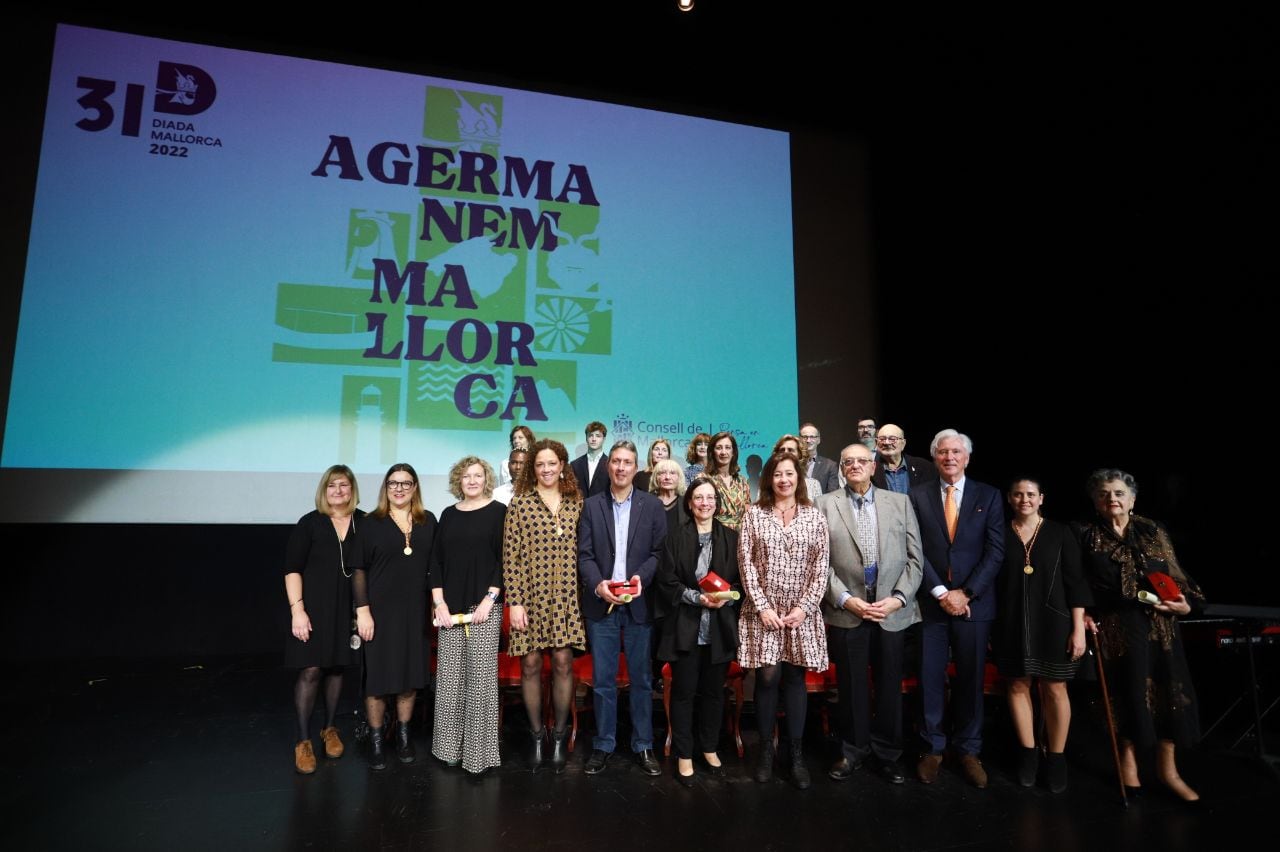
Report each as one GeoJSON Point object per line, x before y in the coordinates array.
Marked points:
{"type": "Point", "coordinates": [1028, 545]}
{"type": "Point", "coordinates": [408, 548]}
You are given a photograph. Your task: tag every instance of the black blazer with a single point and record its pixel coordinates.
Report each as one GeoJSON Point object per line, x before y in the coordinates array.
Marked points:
{"type": "Point", "coordinates": [597, 485]}
{"type": "Point", "coordinates": [676, 570]}
{"type": "Point", "coordinates": [827, 472]}
{"type": "Point", "coordinates": [918, 470]}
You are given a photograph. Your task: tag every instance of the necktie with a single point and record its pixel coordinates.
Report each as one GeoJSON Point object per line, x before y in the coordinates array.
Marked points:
{"type": "Point", "coordinates": [951, 511]}
{"type": "Point", "coordinates": [868, 544]}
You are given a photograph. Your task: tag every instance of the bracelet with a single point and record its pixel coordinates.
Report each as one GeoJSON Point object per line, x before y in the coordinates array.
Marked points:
{"type": "Point", "coordinates": [295, 603]}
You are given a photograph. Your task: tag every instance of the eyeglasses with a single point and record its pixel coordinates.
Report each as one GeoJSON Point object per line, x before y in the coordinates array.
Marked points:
{"type": "Point", "coordinates": [810, 437]}
{"type": "Point", "coordinates": [888, 439]}
{"type": "Point", "coordinates": [394, 485]}
{"type": "Point", "coordinates": [855, 462]}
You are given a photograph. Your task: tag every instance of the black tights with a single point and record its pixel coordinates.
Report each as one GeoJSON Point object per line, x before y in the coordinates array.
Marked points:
{"type": "Point", "coordinates": [304, 697]}
{"type": "Point", "coordinates": [561, 686]}
{"type": "Point", "coordinates": [794, 699]}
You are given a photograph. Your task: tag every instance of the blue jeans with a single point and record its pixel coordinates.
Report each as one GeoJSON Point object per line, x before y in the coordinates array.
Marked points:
{"type": "Point", "coordinates": [609, 636]}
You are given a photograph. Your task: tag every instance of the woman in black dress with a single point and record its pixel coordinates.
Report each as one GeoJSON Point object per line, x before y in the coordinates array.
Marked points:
{"type": "Point", "coordinates": [1039, 628]}
{"type": "Point", "coordinates": [466, 578]}
{"type": "Point", "coordinates": [390, 595]}
{"type": "Point", "coordinates": [1147, 673]}
{"type": "Point", "coordinates": [319, 562]}
{"type": "Point", "coordinates": [699, 633]}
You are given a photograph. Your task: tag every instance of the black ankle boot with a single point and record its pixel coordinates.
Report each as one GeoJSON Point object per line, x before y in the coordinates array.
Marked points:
{"type": "Point", "coordinates": [559, 750]}
{"type": "Point", "coordinates": [537, 748]}
{"type": "Point", "coordinates": [377, 752]}
{"type": "Point", "coordinates": [799, 772]}
{"type": "Point", "coordinates": [404, 745]}
{"type": "Point", "coordinates": [764, 769]}
{"type": "Point", "coordinates": [1055, 771]}
{"type": "Point", "coordinates": [1028, 761]}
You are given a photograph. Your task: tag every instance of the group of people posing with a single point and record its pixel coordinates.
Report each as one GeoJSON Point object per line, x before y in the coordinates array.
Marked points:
{"type": "Point", "coordinates": [828, 564]}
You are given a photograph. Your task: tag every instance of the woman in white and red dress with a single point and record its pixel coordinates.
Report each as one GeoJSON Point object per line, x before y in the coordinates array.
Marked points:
{"type": "Point", "coordinates": [784, 558]}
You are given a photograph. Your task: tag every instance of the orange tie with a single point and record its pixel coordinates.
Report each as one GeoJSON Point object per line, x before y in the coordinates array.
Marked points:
{"type": "Point", "coordinates": [951, 511]}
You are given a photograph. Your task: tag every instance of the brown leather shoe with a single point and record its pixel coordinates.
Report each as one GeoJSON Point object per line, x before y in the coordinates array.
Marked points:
{"type": "Point", "coordinates": [304, 759]}
{"type": "Point", "coordinates": [927, 768]}
{"type": "Point", "coordinates": [332, 742]}
{"type": "Point", "coordinates": [973, 771]}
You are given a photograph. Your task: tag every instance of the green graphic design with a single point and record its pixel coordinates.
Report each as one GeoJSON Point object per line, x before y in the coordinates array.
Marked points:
{"type": "Point", "coordinates": [558, 293]}
{"type": "Point", "coordinates": [328, 319]}
{"type": "Point", "coordinates": [376, 233]}
{"type": "Point", "coordinates": [433, 388]}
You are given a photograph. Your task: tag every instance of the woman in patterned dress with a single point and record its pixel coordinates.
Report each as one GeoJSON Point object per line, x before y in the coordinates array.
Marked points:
{"type": "Point", "coordinates": [540, 571]}
{"type": "Point", "coordinates": [784, 555]}
{"type": "Point", "coordinates": [466, 577]}
{"type": "Point", "coordinates": [792, 444]}
{"type": "Point", "coordinates": [1147, 674]}
{"type": "Point", "coordinates": [731, 485]}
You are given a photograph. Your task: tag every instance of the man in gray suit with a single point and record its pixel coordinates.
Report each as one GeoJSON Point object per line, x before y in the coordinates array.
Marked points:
{"type": "Point", "coordinates": [876, 568]}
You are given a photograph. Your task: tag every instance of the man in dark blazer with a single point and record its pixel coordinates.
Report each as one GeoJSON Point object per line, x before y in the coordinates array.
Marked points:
{"type": "Point", "coordinates": [895, 470]}
{"type": "Point", "coordinates": [820, 468]}
{"type": "Point", "coordinates": [962, 529]}
{"type": "Point", "coordinates": [590, 468]}
{"type": "Point", "coordinates": [620, 538]}
{"type": "Point", "coordinates": [876, 566]}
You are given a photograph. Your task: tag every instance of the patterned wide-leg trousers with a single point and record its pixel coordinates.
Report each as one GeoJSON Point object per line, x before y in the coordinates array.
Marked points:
{"type": "Point", "coordinates": [466, 718]}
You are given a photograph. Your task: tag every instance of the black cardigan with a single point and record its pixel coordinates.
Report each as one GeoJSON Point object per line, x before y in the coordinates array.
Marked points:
{"type": "Point", "coordinates": [676, 573]}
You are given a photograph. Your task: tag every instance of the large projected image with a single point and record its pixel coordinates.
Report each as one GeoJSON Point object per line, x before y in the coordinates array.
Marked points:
{"type": "Point", "coordinates": [244, 268]}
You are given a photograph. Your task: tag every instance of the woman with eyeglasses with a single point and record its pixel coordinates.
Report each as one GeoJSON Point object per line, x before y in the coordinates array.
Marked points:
{"type": "Point", "coordinates": [390, 595]}
{"type": "Point", "coordinates": [319, 563]}
{"type": "Point", "coordinates": [699, 632]}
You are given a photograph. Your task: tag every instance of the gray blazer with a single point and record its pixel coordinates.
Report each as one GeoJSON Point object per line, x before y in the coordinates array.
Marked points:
{"type": "Point", "coordinates": [900, 562]}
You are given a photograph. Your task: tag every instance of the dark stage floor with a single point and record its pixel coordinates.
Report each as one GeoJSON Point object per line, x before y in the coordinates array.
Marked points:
{"type": "Point", "coordinates": [161, 756]}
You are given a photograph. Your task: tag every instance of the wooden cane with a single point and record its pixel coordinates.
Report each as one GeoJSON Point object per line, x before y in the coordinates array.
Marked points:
{"type": "Point", "coordinates": [1111, 720]}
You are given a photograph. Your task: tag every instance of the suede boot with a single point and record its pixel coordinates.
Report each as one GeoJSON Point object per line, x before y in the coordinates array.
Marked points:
{"type": "Point", "coordinates": [799, 772]}
{"type": "Point", "coordinates": [764, 769]}
{"type": "Point", "coordinates": [1055, 771]}
{"type": "Point", "coordinates": [1028, 762]}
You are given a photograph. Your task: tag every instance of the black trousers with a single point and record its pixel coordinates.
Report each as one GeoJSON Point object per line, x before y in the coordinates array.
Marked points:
{"type": "Point", "coordinates": [852, 651]}
{"type": "Point", "coordinates": [695, 679]}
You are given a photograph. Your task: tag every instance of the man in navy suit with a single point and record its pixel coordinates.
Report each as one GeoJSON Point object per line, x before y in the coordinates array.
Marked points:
{"type": "Point", "coordinates": [620, 538]}
{"type": "Point", "coordinates": [962, 530]}
{"type": "Point", "coordinates": [590, 468]}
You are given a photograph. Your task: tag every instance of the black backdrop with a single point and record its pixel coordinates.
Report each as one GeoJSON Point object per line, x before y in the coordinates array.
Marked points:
{"type": "Point", "coordinates": [1042, 272]}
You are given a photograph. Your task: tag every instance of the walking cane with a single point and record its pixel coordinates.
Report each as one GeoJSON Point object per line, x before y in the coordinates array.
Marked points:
{"type": "Point", "coordinates": [1111, 721]}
